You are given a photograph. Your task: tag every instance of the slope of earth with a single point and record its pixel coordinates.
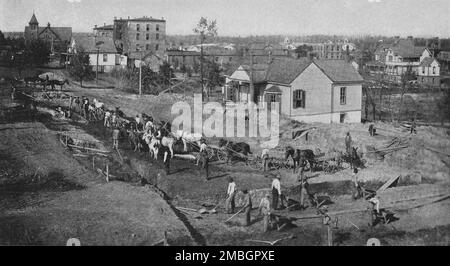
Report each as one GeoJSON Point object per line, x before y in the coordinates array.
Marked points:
{"type": "Point", "coordinates": [47, 197]}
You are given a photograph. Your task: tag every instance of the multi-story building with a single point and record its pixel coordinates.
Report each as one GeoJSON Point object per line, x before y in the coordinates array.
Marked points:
{"type": "Point", "coordinates": [104, 31]}
{"type": "Point", "coordinates": [145, 35]}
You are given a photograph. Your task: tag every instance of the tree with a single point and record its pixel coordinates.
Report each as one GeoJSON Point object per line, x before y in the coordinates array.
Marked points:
{"type": "Point", "coordinates": [303, 50]}
{"type": "Point", "coordinates": [80, 68]}
{"type": "Point", "coordinates": [213, 76]}
{"type": "Point", "coordinates": [37, 52]}
{"type": "Point", "coordinates": [205, 28]}
{"type": "Point", "coordinates": [166, 73]}
{"type": "Point", "coordinates": [406, 77]}
{"type": "Point", "coordinates": [2, 38]}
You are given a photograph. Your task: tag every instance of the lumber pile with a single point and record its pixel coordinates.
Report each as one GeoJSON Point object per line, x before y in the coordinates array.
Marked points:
{"type": "Point", "coordinates": [395, 144]}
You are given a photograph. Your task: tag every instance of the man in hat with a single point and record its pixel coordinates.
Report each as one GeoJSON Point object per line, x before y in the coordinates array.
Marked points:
{"type": "Point", "coordinates": [348, 143]}
{"type": "Point", "coordinates": [203, 149]}
{"type": "Point", "coordinates": [247, 206]}
{"type": "Point", "coordinates": [276, 190]}
{"type": "Point", "coordinates": [413, 126]}
{"type": "Point", "coordinates": [304, 186]}
{"type": "Point", "coordinates": [231, 193]}
{"type": "Point", "coordinates": [264, 209]}
{"type": "Point", "coordinates": [326, 221]}
{"type": "Point", "coordinates": [357, 190]}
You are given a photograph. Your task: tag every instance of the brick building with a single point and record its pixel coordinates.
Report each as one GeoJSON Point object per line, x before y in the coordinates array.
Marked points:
{"type": "Point", "coordinates": [146, 34]}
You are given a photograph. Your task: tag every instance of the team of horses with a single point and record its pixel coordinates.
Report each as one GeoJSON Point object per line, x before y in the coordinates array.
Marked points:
{"type": "Point", "coordinates": [37, 81]}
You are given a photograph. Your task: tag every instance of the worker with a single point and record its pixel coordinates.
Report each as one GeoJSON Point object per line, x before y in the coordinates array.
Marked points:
{"type": "Point", "coordinates": [304, 193]}
{"type": "Point", "coordinates": [358, 192]}
{"type": "Point", "coordinates": [264, 209]}
{"type": "Point", "coordinates": [247, 207]}
{"type": "Point", "coordinates": [203, 149]}
{"type": "Point", "coordinates": [348, 143]}
{"type": "Point", "coordinates": [107, 122]}
{"type": "Point", "coordinates": [374, 210]}
{"type": "Point", "coordinates": [265, 158]}
{"type": "Point", "coordinates": [413, 126]}
{"type": "Point", "coordinates": [372, 130]}
{"type": "Point", "coordinates": [276, 191]}
{"type": "Point", "coordinates": [231, 194]}
{"type": "Point", "coordinates": [116, 134]}
{"type": "Point", "coordinates": [326, 221]}
{"type": "Point", "coordinates": [205, 164]}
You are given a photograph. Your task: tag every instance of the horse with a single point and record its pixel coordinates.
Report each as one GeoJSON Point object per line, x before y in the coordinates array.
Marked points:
{"type": "Point", "coordinates": [152, 143]}
{"type": "Point", "coordinates": [300, 157]}
{"type": "Point", "coordinates": [134, 137]}
{"type": "Point", "coordinates": [240, 147]}
{"type": "Point", "coordinates": [354, 158]}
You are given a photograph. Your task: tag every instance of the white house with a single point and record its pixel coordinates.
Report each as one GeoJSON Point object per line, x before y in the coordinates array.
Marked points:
{"type": "Point", "coordinates": [102, 48]}
{"type": "Point", "coordinates": [429, 70]}
{"type": "Point", "coordinates": [327, 91]}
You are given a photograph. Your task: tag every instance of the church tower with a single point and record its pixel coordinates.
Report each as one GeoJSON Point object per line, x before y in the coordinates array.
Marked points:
{"type": "Point", "coordinates": [34, 27]}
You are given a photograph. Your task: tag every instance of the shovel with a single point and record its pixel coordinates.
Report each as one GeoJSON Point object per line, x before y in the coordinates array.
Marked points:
{"type": "Point", "coordinates": [213, 210]}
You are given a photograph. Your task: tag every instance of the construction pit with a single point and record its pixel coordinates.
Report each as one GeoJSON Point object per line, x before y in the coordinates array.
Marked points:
{"type": "Point", "coordinates": [96, 193]}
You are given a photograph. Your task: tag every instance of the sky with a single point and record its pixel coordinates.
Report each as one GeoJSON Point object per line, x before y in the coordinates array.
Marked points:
{"type": "Point", "coordinates": [244, 17]}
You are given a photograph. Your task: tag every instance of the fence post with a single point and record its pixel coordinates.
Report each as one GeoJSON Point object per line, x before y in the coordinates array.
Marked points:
{"type": "Point", "coordinates": [107, 173]}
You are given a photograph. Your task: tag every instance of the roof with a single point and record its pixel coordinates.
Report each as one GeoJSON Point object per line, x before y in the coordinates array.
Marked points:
{"type": "Point", "coordinates": [33, 20]}
{"type": "Point", "coordinates": [259, 72]}
{"type": "Point", "coordinates": [149, 19]}
{"type": "Point", "coordinates": [182, 53]}
{"type": "Point", "coordinates": [407, 49]}
{"type": "Point", "coordinates": [426, 62]}
{"type": "Point", "coordinates": [285, 70]}
{"type": "Point", "coordinates": [105, 27]}
{"type": "Point", "coordinates": [375, 63]}
{"type": "Point", "coordinates": [339, 70]}
{"type": "Point", "coordinates": [64, 33]}
{"type": "Point", "coordinates": [88, 43]}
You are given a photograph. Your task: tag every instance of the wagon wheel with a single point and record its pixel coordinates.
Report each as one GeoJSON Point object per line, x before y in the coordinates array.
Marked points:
{"type": "Point", "coordinates": [222, 155]}
{"type": "Point", "coordinates": [211, 153]}
{"type": "Point", "coordinates": [254, 163]}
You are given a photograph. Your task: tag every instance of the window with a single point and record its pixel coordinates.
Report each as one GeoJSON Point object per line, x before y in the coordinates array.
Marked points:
{"type": "Point", "coordinates": [230, 59]}
{"type": "Point", "coordinates": [272, 98]}
{"type": "Point", "coordinates": [157, 36]}
{"type": "Point", "coordinates": [147, 47]}
{"type": "Point", "coordinates": [148, 27]}
{"type": "Point", "coordinates": [423, 70]}
{"type": "Point", "coordinates": [105, 57]}
{"type": "Point", "coordinates": [390, 58]}
{"type": "Point", "coordinates": [343, 95]}
{"type": "Point", "coordinates": [138, 27]}
{"type": "Point", "coordinates": [157, 47]}
{"type": "Point", "coordinates": [137, 36]}
{"type": "Point", "coordinates": [137, 47]}
{"type": "Point", "coordinates": [217, 59]}
{"type": "Point", "coordinates": [147, 36]}
{"type": "Point", "coordinates": [434, 70]}
{"type": "Point", "coordinates": [157, 27]}
{"type": "Point", "coordinates": [299, 99]}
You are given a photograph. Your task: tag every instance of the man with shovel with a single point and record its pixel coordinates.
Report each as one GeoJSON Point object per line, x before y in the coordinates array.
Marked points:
{"type": "Point", "coordinates": [247, 206]}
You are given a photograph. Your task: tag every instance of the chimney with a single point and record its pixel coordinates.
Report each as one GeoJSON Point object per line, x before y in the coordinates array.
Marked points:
{"type": "Point", "coordinates": [95, 26]}
{"type": "Point", "coordinates": [104, 24]}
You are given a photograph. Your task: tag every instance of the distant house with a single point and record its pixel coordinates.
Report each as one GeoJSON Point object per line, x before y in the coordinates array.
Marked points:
{"type": "Point", "coordinates": [429, 70]}
{"type": "Point", "coordinates": [444, 60]}
{"type": "Point", "coordinates": [55, 36]}
{"type": "Point", "coordinates": [104, 31]}
{"type": "Point", "coordinates": [327, 91]}
{"type": "Point", "coordinates": [150, 60]}
{"type": "Point", "coordinates": [402, 57]}
{"type": "Point", "coordinates": [99, 47]}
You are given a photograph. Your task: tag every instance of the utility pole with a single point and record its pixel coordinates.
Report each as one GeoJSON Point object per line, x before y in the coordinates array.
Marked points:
{"type": "Point", "coordinates": [96, 70]}
{"type": "Point", "coordinates": [252, 86]}
{"type": "Point", "coordinates": [201, 62]}
{"type": "Point", "coordinates": [140, 73]}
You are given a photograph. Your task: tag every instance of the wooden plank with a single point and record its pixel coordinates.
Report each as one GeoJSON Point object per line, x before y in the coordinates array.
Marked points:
{"type": "Point", "coordinates": [90, 149]}
{"type": "Point", "coordinates": [388, 183]}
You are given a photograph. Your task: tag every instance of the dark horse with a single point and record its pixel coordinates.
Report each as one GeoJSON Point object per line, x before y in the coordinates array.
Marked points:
{"type": "Point", "coordinates": [300, 156]}
{"type": "Point", "coordinates": [354, 158]}
{"type": "Point", "coordinates": [240, 147]}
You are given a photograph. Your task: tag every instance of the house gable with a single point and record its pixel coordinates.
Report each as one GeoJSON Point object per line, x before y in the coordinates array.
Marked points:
{"type": "Point", "coordinates": [240, 74]}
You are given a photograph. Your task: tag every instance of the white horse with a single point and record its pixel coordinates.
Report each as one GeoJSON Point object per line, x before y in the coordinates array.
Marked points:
{"type": "Point", "coordinates": [153, 145]}
{"type": "Point", "coordinates": [98, 104]}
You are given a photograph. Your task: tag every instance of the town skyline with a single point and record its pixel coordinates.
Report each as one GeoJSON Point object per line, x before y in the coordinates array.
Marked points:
{"type": "Point", "coordinates": [263, 17]}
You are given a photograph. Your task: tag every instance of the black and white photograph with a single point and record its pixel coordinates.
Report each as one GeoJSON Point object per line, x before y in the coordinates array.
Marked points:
{"type": "Point", "coordinates": [224, 123]}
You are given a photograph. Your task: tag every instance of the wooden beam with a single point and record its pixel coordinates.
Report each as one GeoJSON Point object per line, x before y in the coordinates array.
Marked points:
{"type": "Point", "coordinates": [388, 183]}
{"type": "Point", "coordinates": [90, 149]}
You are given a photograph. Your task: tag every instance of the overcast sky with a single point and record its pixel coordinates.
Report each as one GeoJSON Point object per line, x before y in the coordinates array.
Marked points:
{"type": "Point", "coordinates": [244, 17]}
